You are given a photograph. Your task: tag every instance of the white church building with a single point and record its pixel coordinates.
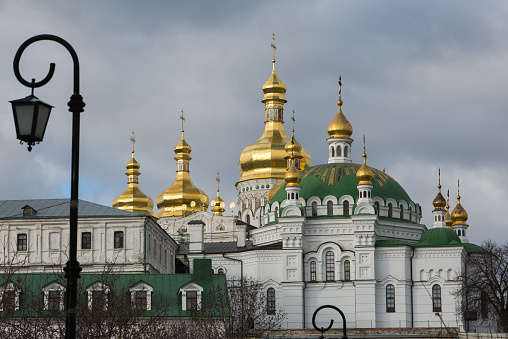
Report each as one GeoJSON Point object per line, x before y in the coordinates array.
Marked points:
{"type": "Point", "coordinates": [338, 233]}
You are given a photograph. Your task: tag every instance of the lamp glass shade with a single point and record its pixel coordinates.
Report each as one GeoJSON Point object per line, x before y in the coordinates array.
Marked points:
{"type": "Point", "coordinates": [31, 117]}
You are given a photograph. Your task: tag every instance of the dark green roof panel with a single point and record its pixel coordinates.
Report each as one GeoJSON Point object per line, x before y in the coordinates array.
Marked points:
{"type": "Point", "coordinates": [439, 237]}
{"type": "Point", "coordinates": [340, 179]}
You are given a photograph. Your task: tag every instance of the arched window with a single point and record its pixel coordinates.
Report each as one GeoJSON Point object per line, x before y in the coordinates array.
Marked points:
{"type": "Point", "coordinates": [248, 219]}
{"type": "Point", "coordinates": [329, 208]}
{"type": "Point", "coordinates": [345, 151]}
{"type": "Point", "coordinates": [339, 151]}
{"type": "Point", "coordinates": [220, 271]}
{"type": "Point", "coordinates": [292, 195]}
{"type": "Point", "coordinates": [390, 298]}
{"type": "Point", "coordinates": [436, 298]}
{"type": "Point", "coordinates": [313, 276]}
{"type": "Point", "coordinates": [345, 208]}
{"type": "Point", "coordinates": [390, 210]}
{"type": "Point", "coordinates": [347, 270]}
{"type": "Point", "coordinates": [330, 266]}
{"type": "Point", "coordinates": [333, 152]}
{"type": "Point", "coordinates": [377, 207]}
{"type": "Point", "coordinates": [314, 209]}
{"type": "Point", "coordinates": [401, 212]}
{"type": "Point", "coordinates": [276, 213]}
{"type": "Point", "coordinates": [270, 301]}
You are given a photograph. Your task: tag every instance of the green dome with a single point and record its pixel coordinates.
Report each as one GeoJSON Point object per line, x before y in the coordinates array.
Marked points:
{"type": "Point", "coordinates": [339, 179]}
{"type": "Point", "coordinates": [439, 237]}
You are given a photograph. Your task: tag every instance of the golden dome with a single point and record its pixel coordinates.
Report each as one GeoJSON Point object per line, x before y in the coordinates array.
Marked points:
{"type": "Point", "coordinates": [340, 127]}
{"type": "Point", "coordinates": [439, 201]}
{"type": "Point", "coordinates": [459, 215]}
{"type": "Point", "coordinates": [179, 198]}
{"type": "Point", "coordinates": [265, 157]}
{"type": "Point", "coordinates": [133, 199]}
{"type": "Point", "coordinates": [448, 218]}
{"type": "Point", "coordinates": [217, 203]}
{"type": "Point", "coordinates": [364, 173]}
{"type": "Point", "coordinates": [292, 176]}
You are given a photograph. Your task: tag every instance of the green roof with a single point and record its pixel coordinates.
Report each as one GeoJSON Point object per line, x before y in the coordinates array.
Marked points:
{"type": "Point", "coordinates": [439, 237]}
{"type": "Point", "coordinates": [166, 301]}
{"type": "Point", "coordinates": [339, 179]}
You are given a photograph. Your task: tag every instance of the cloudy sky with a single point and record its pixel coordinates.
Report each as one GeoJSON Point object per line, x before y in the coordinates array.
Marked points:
{"type": "Point", "coordinates": [425, 81]}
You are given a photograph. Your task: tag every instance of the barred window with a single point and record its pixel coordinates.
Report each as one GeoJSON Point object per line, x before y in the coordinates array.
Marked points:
{"type": "Point", "coordinates": [54, 300]}
{"type": "Point", "coordinates": [345, 208]}
{"type": "Point", "coordinates": [313, 276]}
{"type": "Point", "coordinates": [314, 209]}
{"type": "Point", "coordinates": [390, 298]}
{"type": "Point", "coordinates": [347, 270]}
{"type": "Point", "coordinates": [270, 301]}
{"type": "Point", "coordinates": [330, 266]}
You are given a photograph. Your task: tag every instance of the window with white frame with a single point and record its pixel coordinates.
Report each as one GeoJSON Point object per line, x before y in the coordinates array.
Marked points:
{"type": "Point", "coordinates": [54, 297]}
{"type": "Point", "coordinates": [10, 297]}
{"type": "Point", "coordinates": [98, 296]}
{"type": "Point", "coordinates": [141, 297]}
{"type": "Point", "coordinates": [191, 296]}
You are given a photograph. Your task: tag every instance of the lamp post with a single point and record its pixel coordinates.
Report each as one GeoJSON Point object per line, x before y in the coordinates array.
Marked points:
{"type": "Point", "coordinates": [27, 112]}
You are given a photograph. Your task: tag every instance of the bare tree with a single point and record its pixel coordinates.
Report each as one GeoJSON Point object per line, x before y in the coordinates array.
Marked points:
{"type": "Point", "coordinates": [485, 286]}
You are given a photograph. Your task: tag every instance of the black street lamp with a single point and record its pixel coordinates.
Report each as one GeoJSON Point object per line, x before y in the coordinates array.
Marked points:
{"type": "Point", "coordinates": [31, 117]}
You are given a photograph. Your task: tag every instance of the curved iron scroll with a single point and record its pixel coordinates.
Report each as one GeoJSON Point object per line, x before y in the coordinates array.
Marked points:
{"type": "Point", "coordinates": [322, 329]}
{"type": "Point", "coordinates": [48, 77]}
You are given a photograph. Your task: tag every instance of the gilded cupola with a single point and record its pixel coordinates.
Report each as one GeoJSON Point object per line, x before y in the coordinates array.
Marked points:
{"type": "Point", "coordinates": [448, 217]}
{"type": "Point", "coordinates": [218, 204]}
{"type": "Point", "coordinates": [439, 202]}
{"type": "Point", "coordinates": [182, 198]}
{"type": "Point", "coordinates": [265, 157]}
{"type": "Point", "coordinates": [459, 214]}
{"type": "Point", "coordinates": [340, 127]}
{"type": "Point", "coordinates": [133, 199]}
{"type": "Point", "coordinates": [364, 173]}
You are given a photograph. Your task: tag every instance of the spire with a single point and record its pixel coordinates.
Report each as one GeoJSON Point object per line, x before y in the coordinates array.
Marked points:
{"type": "Point", "coordinates": [133, 199]}
{"type": "Point", "coordinates": [439, 201]}
{"type": "Point", "coordinates": [364, 173]}
{"type": "Point", "coordinates": [339, 132]}
{"type": "Point", "coordinates": [340, 127]}
{"type": "Point", "coordinates": [217, 203]}
{"type": "Point", "coordinates": [448, 218]}
{"type": "Point", "coordinates": [459, 214]}
{"type": "Point", "coordinates": [274, 92]}
{"type": "Point", "coordinates": [293, 149]}
{"type": "Point", "coordinates": [459, 218]}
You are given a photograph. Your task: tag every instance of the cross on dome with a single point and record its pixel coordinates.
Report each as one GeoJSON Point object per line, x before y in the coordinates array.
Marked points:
{"type": "Point", "coordinates": [133, 141]}
{"type": "Point", "coordinates": [274, 47]}
{"type": "Point", "coordinates": [182, 118]}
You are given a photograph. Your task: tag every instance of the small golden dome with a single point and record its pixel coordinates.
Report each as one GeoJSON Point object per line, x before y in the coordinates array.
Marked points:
{"type": "Point", "coordinates": [364, 173]}
{"type": "Point", "coordinates": [459, 215]}
{"type": "Point", "coordinates": [340, 127]}
{"type": "Point", "coordinates": [133, 199]}
{"type": "Point", "coordinates": [292, 176]}
{"type": "Point", "coordinates": [439, 201]}
{"type": "Point", "coordinates": [171, 201]}
{"type": "Point", "coordinates": [217, 203]}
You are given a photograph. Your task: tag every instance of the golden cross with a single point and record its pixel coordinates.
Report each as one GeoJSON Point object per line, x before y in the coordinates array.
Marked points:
{"type": "Point", "coordinates": [439, 182]}
{"type": "Point", "coordinates": [133, 141]}
{"type": "Point", "coordinates": [273, 47]}
{"type": "Point", "coordinates": [364, 150]}
{"type": "Point", "coordinates": [340, 85]}
{"type": "Point", "coordinates": [182, 118]}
